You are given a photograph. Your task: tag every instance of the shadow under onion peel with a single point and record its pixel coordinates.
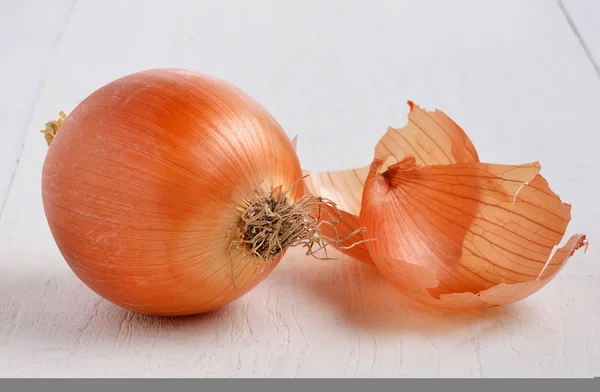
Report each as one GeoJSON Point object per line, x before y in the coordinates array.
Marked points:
{"type": "Point", "coordinates": [450, 231]}
{"type": "Point", "coordinates": [170, 192]}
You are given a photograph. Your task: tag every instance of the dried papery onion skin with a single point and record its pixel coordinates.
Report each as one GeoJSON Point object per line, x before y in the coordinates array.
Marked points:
{"type": "Point", "coordinates": [465, 235]}
{"type": "Point", "coordinates": [431, 137]}
{"type": "Point", "coordinates": [145, 182]}
{"type": "Point", "coordinates": [451, 231]}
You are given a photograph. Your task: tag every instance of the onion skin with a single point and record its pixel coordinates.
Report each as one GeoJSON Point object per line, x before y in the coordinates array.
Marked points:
{"type": "Point", "coordinates": [345, 189]}
{"type": "Point", "coordinates": [449, 230]}
{"type": "Point", "coordinates": [143, 185]}
{"type": "Point", "coordinates": [466, 235]}
{"type": "Point", "coordinates": [432, 138]}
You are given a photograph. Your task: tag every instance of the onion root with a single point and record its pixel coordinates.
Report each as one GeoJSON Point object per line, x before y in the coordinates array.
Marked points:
{"type": "Point", "coordinates": [272, 223]}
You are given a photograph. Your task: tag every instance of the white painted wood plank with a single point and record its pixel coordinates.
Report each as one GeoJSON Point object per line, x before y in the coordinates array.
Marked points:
{"type": "Point", "coordinates": [28, 37]}
{"type": "Point", "coordinates": [585, 17]}
{"type": "Point", "coordinates": [511, 72]}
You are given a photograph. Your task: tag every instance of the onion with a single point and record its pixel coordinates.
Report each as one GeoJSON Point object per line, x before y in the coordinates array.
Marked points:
{"type": "Point", "coordinates": [451, 231]}
{"type": "Point", "coordinates": [170, 192]}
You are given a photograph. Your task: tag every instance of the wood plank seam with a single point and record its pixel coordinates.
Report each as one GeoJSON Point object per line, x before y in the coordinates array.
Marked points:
{"type": "Point", "coordinates": [36, 98]}
{"type": "Point", "coordinates": [579, 37]}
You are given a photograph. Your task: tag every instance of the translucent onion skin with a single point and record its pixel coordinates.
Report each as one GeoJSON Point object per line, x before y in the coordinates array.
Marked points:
{"type": "Point", "coordinates": [465, 235]}
{"type": "Point", "coordinates": [430, 137]}
{"type": "Point", "coordinates": [449, 230]}
{"type": "Point", "coordinates": [145, 182]}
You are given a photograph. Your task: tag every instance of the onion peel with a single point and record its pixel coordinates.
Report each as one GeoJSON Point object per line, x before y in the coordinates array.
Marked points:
{"type": "Point", "coordinates": [450, 230]}
{"type": "Point", "coordinates": [430, 137]}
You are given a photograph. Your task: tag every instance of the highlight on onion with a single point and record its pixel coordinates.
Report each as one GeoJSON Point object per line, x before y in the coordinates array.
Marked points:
{"type": "Point", "coordinates": [449, 230]}
{"type": "Point", "coordinates": [170, 192]}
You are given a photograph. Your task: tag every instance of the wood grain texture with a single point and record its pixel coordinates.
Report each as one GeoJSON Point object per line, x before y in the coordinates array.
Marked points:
{"type": "Point", "coordinates": [338, 73]}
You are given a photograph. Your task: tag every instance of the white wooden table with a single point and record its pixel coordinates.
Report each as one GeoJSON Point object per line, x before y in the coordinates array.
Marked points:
{"type": "Point", "coordinates": [518, 75]}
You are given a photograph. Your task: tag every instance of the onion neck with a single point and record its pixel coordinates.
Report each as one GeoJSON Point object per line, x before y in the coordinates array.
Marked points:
{"type": "Point", "coordinates": [52, 127]}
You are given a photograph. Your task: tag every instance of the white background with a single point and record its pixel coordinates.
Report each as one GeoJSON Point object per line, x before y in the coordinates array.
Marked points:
{"type": "Point", "coordinates": [518, 75]}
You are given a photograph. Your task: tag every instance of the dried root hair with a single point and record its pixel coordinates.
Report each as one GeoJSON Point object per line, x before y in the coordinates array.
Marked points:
{"type": "Point", "coordinates": [271, 223]}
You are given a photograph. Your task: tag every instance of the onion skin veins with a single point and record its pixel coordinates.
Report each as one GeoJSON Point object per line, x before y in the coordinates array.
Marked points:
{"type": "Point", "coordinates": [451, 231]}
